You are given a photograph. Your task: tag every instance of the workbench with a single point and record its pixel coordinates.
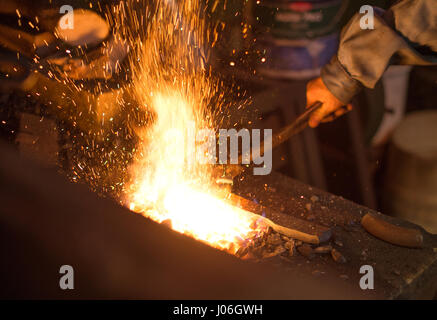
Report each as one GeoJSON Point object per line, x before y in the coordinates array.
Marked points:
{"type": "Point", "coordinates": [47, 221]}
{"type": "Point", "coordinates": [399, 272]}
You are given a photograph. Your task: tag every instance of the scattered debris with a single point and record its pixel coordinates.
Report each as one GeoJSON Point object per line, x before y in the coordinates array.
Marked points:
{"type": "Point", "coordinates": [323, 249]}
{"type": "Point", "coordinates": [344, 277]}
{"type": "Point", "coordinates": [277, 251]}
{"type": "Point", "coordinates": [338, 243]}
{"type": "Point", "coordinates": [290, 246]}
{"type": "Point", "coordinates": [274, 239]}
{"type": "Point", "coordinates": [306, 251]}
{"type": "Point", "coordinates": [308, 206]}
{"type": "Point", "coordinates": [272, 243]}
{"type": "Point", "coordinates": [311, 217]}
{"type": "Point", "coordinates": [337, 256]}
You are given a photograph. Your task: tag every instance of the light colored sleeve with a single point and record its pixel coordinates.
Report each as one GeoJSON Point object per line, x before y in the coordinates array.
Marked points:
{"type": "Point", "coordinates": [404, 34]}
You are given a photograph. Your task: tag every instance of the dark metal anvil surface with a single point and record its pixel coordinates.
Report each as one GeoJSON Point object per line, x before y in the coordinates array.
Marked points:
{"type": "Point", "coordinates": [399, 272]}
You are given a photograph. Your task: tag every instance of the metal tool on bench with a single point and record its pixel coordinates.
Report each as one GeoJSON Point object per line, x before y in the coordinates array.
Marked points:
{"type": "Point", "coordinates": [380, 227]}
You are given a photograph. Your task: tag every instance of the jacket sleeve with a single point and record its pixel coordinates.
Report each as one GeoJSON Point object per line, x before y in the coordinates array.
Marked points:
{"type": "Point", "coordinates": [404, 34]}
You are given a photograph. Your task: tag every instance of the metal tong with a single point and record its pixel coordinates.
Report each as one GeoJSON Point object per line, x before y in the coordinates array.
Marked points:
{"type": "Point", "coordinates": [297, 126]}
{"type": "Point", "coordinates": [292, 129]}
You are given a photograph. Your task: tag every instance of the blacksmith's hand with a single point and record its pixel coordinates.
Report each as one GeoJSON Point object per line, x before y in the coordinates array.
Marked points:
{"type": "Point", "coordinates": [331, 109]}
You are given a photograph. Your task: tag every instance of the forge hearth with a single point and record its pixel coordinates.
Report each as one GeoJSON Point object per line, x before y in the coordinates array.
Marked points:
{"type": "Point", "coordinates": [121, 254]}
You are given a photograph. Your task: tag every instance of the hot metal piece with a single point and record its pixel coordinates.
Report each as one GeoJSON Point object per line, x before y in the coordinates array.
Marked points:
{"type": "Point", "coordinates": [391, 233]}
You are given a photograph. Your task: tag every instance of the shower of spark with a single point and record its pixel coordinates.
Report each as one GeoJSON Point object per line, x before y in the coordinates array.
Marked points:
{"type": "Point", "coordinates": [168, 44]}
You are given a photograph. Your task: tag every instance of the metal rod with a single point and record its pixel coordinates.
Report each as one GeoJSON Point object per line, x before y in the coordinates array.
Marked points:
{"type": "Point", "coordinates": [287, 132]}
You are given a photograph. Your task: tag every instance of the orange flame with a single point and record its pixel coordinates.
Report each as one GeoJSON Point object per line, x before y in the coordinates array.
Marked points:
{"type": "Point", "coordinates": [171, 82]}
{"type": "Point", "coordinates": [166, 187]}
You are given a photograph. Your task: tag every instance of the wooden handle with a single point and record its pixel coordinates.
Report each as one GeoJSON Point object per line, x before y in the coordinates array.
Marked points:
{"type": "Point", "coordinates": [289, 232]}
{"type": "Point", "coordinates": [292, 233]}
{"type": "Point", "coordinates": [405, 237]}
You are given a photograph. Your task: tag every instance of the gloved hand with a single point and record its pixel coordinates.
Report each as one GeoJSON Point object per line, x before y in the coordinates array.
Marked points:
{"type": "Point", "coordinates": [331, 109]}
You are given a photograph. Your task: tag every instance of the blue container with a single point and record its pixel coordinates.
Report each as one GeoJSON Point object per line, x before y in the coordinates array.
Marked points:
{"type": "Point", "coordinates": [297, 59]}
{"type": "Point", "coordinates": [296, 38]}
